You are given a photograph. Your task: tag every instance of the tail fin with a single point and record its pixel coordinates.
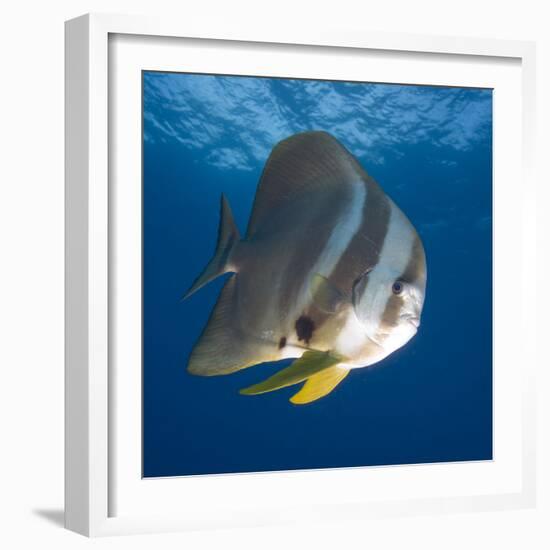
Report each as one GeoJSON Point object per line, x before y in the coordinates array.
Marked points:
{"type": "Point", "coordinates": [228, 237]}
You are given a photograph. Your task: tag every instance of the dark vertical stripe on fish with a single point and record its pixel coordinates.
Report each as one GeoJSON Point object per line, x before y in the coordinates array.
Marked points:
{"type": "Point", "coordinates": [309, 246]}
{"type": "Point", "coordinates": [411, 273]}
{"type": "Point", "coordinates": [416, 268]}
{"type": "Point", "coordinates": [364, 250]}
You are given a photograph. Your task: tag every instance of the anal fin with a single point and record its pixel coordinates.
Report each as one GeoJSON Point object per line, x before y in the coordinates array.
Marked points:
{"type": "Point", "coordinates": [319, 385]}
{"type": "Point", "coordinates": [223, 347]}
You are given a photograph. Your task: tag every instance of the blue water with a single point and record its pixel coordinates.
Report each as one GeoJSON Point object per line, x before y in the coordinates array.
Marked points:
{"type": "Point", "coordinates": [431, 150]}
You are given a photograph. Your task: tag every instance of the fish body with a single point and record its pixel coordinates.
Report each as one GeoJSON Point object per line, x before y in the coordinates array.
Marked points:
{"type": "Point", "coordinates": [330, 272]}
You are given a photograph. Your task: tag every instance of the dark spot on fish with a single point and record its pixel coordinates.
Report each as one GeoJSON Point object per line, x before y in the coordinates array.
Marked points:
{"type": "Point", "coordinates": [282, 342]}
{"type": "Point", "coordinates": [304, 328]}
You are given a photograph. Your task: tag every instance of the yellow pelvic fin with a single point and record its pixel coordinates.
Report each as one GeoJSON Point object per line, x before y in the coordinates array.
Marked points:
{"type": "Point", "coordinates": [309, 364]}
{"type": "Point", "coordinates": [319, 385]}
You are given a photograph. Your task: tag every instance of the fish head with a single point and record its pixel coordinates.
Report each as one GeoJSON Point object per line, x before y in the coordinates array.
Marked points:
{"type": "Point", "coordinates": [388, 299]}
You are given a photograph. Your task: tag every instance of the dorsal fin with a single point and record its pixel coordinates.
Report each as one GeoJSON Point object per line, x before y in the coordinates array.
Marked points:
{"type": "Point", "coordinates": [302, 163]}
{"type": "Point", "coordinates": [228, 238]}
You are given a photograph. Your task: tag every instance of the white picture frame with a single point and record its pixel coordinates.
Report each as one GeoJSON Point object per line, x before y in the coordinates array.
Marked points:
{"type": "Point", "coordinates": [92, 435]}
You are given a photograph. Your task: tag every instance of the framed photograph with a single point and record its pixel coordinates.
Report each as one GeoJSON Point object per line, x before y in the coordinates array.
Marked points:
{"type": "Point", "coordinates": [289, 292]}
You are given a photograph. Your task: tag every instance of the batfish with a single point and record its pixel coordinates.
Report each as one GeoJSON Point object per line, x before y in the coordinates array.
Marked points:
{"type": "Point", "coordinates": [330, 273]}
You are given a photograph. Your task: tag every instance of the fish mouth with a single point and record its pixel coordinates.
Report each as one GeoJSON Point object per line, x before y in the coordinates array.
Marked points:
{"type": "Point", "coordinates": [414, 321]}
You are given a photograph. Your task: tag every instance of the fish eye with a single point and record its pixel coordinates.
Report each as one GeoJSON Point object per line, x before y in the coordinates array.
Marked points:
{"type": "Point", "coordinates": [397, 288]}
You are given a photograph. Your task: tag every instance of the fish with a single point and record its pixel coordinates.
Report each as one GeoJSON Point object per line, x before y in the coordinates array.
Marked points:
{"type": "Point", "coordinates": [330, 273]}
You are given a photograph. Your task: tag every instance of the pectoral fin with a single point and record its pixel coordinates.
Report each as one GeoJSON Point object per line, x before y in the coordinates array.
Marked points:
{"type": "Point", "coordinates": [311, 362]}
{"type": "Point", "coordinates": [319, 385]}
{"type": "Point", "coordinates": [325, 295]}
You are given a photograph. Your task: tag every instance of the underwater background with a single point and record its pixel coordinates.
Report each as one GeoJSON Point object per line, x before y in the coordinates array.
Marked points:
{"type": "Point", "coordinates": [430, 148]}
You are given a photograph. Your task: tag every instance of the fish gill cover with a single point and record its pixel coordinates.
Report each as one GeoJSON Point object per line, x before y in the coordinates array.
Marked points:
{"type": "Point", "coordinates": [430, 148]}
